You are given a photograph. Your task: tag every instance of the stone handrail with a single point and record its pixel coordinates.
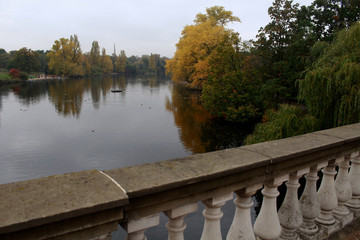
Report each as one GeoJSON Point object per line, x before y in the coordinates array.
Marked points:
{"type": "Point", "coordinates": [90, 204]}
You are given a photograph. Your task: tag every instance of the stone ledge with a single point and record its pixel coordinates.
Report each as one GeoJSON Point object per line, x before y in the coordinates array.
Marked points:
{"type": "Point", "coordinates": [273, 156]}
{"type": "Point", "coordinates": [37, 202]}
{"type": "Point", "coordinates": [155, 177]}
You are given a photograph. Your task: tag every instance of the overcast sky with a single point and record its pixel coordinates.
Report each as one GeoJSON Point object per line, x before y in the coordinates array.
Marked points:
{"type": "Point", "coordinates": [136, 26]}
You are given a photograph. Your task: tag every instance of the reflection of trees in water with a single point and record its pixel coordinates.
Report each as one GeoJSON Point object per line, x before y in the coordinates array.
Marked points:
{"type": "Point", "coordinates": [31, 91]}
{"type": "Point", "coordinates": [189, 117]}
{"type": "Point", "coordinates": [67, 96]}
{"type": "Point", "coordinates": [199, 132]}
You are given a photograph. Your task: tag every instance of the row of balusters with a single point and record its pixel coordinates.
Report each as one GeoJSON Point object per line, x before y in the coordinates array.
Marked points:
{"type": "Point", "coordinates": [315, 215]}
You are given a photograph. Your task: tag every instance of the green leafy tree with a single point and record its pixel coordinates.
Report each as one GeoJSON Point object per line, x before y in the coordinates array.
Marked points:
{"type": "Point", "coordinates": [281, 46]}
{"type": "Point", "coordinates": [329, 16]}
{"type": "Point", "coordinates": [95, 58]}
{"type": "Point", "coordinates": [4, 58]}
{"type": "Point", "coordinates": [26, 60]}
{"type": "Point", "coordinates": [232, 89]}
{"type": "Point", "coordinates": [331, 87]}
{"type": "Point", "coordinates": [43, 60]}
{"type": "Point", "coordinates": [288, 121]}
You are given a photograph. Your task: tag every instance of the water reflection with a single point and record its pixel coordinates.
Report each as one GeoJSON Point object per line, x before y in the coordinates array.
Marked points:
{"type": "Point", "coordinates": [199, 132]}
{"type": "Point", "coordinates": [82, 124]}
{"type": "Point", "coordinates": [78, 124]}
{"type": "Point", "coordinates": [67, 98]}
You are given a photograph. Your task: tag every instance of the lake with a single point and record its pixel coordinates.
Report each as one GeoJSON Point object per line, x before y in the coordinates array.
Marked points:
{"type": "Point", "coordinates": [58, 126]}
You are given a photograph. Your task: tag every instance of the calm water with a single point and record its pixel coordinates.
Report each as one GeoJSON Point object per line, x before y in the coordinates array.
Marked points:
{"type": "Point", "coordinates": [53, 127]}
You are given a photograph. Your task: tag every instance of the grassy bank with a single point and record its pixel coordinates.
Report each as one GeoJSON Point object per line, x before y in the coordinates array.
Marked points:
{"type": "Point", "coordinates": [6, 79]}
{"type": "Point", "coordinates": [4, 76]}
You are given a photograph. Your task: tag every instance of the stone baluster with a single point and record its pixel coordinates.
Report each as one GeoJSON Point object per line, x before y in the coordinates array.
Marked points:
{"type": "Point", "coordinates": [137, 227]}
{"type": "Point", "coordinates": [213, 214]}
{"type": "Point", "coordinates": [354, 175]}
{"type": "Point", "coordinates": [343, 191]}
{"type": "Point", "coordinates": [176, 224]}
{"type": "Point", "coordinates": [267, 225]}
{"type": "Point", "coordinates": [328, 200]}
{"type": "Point", "coordinates": [310, 205]}
{"type": "Point", "coordinates": [241, 227]}
{"type": "Point", "coordinates": [290, 215]}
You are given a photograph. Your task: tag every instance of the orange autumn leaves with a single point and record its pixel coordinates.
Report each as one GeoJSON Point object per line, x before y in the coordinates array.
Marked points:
{"type": "Point", "coordinates": [196, 46]}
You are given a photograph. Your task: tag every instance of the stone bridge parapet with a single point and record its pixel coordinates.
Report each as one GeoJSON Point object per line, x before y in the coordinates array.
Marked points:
{"type": "Point", "coordinates": [91, 204]}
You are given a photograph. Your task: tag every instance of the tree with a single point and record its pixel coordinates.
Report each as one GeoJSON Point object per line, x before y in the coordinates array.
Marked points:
{"type": "Point", "coordinates": [331, 87]}
{"type": "Point", "coordinates": [190, 62]}
{"type": "Point", "coordinates": [154, 62]}
{"type": "Point", "coordinates": [114, 59]}
{"type": "Point", "coordinates": [106, 63]}
{"type": "Point", "coordinates": [232, 88]}
{"type": "Point", "coordinates": [26, 60]}
{"type": "Point", "coordinates": [95, 58]}
{"type": "Point", "coordinates": [43, 60]}
{"type": "Point", "coordinates": [273, 43]}
{"type": "Point", "coordinates": [4, 58]}
{"type": "Point", "coordinates": [14, 73]}
{"type": "Point", "coordinates": [288, 121]}
{"type": "Point", "coordinates": [329, 16]}
{"type": "Point", "coordinates": [121, 62]}
{"type": "Point", "coordinates": [65, 57]}
{"type": "Point", "coordinates": [217, 15]}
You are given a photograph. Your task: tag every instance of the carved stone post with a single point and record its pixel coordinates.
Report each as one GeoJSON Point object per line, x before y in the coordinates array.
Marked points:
{"type": "Point", "coordinates": [328, 201]}
{"type": "Point", "coordinates": [354, 176]}
{"type": "Point", "coordinates": [310, 206]}
{"type": "Point", "coordinates": [290, 215]}
{"type": "Point", "coordinates": [176, 224]}
{"type": "Point", "coordinates": [343, 191]}
{"type": "Point", "coordinates": [213, 214]}
{"type": "Point", "coordinates": [241, 227]}
{"type": "Point", "coordinates": [267, 225]}
{"type": "Point", "coordinates": [136, 228]}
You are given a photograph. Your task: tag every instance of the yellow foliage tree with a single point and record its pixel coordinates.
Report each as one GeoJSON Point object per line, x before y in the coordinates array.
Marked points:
{"type": "Point", "coordinates": [120, 63]}
{"type": "Point", "coordinates": [191, 60]}
{"type": "Point", "coordinates": [106, 63]}
{"type": "Point", "coordinates": [65, 57]}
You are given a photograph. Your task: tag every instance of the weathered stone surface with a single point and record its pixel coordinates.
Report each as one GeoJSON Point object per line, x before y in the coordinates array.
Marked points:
{"type": "Point", "coordinates": [154, 177]}
{"type": "Point", "coordinates": [41, 201]}
{"type": "Point", "coordinates": [283, 149]}
{"type": "Point", "coordinates": [348, 133]}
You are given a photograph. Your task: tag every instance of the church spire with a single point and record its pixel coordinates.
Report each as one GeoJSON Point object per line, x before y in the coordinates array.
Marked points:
{"type": "Point", "coordinates": [114, 54]}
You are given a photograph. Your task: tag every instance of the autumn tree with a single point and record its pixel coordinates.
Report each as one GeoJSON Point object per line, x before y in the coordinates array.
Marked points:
{"type": "Point", "coordinates": [191, 60]}
{"type": "Point", "coordinates": [217, 15]}
{"type": "Point", "coordinates": [121, 62]}
{"type": "Point", "coordinates": [65, 57]}
{"type": "Point", "coordinates": [331, 87]}
{"type": "Point", "coordinates": [106, 63]}
{"type": "Point", "coordinates": [154, 60]}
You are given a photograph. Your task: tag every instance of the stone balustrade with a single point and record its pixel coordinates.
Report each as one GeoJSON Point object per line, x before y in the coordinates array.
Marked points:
{"type": "Point", "coordinates": [91, 204]}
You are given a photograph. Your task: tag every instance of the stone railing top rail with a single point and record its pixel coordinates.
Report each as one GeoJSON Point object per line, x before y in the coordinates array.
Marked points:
{"type": "Point", "coordinates": [150, 188]}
